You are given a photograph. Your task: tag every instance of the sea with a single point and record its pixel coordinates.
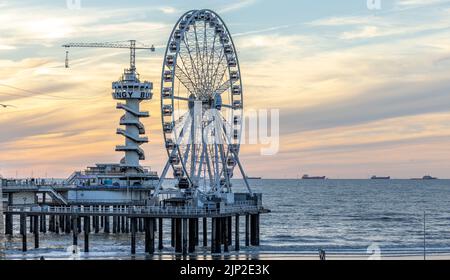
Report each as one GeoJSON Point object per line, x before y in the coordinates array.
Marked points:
{"type": "Point", "coordinates": [341, 217]}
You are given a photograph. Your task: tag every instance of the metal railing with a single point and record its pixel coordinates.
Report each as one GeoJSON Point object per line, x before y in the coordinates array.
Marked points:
{"type": "Point", "coordinates": [135, 210]}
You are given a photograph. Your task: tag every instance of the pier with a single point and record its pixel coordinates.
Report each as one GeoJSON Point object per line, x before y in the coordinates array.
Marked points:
{"type": "Point", "coordinates": [128, 198]}
{"type": "Point", "coordinates": [149, 220]}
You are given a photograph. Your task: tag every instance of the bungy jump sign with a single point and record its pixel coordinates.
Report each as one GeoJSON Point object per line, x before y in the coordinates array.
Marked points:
{"type": "Point", "coordinates": [132, 95]}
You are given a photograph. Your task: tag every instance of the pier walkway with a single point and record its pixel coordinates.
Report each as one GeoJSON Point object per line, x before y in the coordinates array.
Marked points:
{"type": "Point", "coordinates": [137, 211]}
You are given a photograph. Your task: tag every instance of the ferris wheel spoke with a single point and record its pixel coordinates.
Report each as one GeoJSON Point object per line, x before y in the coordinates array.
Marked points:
{"type": "Point", "coordinates": [205, 51]}
{"type": "Point", "coordinates": [185, 80]}
{"type": "Point", "coordinates": [215, 72]}
{"type": "Point", "coordinates": [189, 69]}
{"type": "Point", "coordinates": [210, 60]}
{"type": "Point", "coordinates": [224, 87]}
{"type": "Point", "coordinates": [198, 55]}
{"type": "Point", "coordinates": [194, 66]}
{"type": "Point", "coordinates": [221, 74]}
{"type": "Point", "coordinates": [183, 98]}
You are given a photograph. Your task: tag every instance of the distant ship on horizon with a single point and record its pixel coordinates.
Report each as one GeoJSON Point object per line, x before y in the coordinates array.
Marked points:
{"type": "Point", "coordinates": [426, 177]}
{"type": "Point", "coordinates": [307, 177]}
{"type": "Point", "coordinates": [380, 178]}
{"type": "Point", "coordinates": [253, 178]}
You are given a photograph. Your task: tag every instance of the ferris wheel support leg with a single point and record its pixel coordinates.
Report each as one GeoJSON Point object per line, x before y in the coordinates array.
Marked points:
{"type": "Point", "coordinates": [225, 171]}
{"type": "Point", "coordinates": [208, 164]}
{"type": "Point", "coordinates": [243, 173]}
{"type": "Point", "coordinates": [236, 157]}
{"type": "Point", "coordinates": [161, 179]}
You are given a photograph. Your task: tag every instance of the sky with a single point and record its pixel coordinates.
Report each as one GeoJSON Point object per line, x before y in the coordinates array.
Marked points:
{"type": "Point", "coordinates": [361, 89]}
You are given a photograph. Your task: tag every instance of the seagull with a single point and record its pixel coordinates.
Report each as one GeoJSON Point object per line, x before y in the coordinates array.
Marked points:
{"type": "Point", "coordinates": [6, 106]}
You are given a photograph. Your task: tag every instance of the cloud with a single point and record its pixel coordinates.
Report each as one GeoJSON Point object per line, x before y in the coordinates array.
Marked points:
{"type": "Point", "coordinates": [234, 6]}
{"type": "Point", "coordinates": [363, 33]}
{"type": "Point", "coordinates": [415, 3]}
{"type": "Point", "coordinates": [265, 30]}
{"type": "Point", "coordinates": [39, 25]}
{"type": "Point", "coordinates": [168, 10]}
{"type": "Point", "coordinates": [343, 21]}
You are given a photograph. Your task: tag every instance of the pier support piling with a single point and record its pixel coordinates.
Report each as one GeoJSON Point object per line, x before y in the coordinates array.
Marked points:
{"type": "Point", "coordinates": [227, 234]}
{"type": "Point", "coordinates": [57, 224]}
{"type": "Point", "coordinates": [254, 238]}
{"type": "Point", "coordinates": [213, 235]}
{"type": "Point", "coordinates": [178, 240]}
{"type": "Point", "coordinates": [115, 218]}
{"type": "Point", "coordinates": [152, 229]}
{"type": "Point", "coordinates": [192, 229]}
{"type": "Point", "coordinates": [68, 226]}
{"type": "Point", "coordinates": [79, 224]}
{"type": "Point", "coordinates": [122, 224]}
{"type": "Point", "coordinates": [133, 235]}
{"type": "Point", "coordinates": [75, 230]}
{"type": "Point", "coordinates": [36, 231]}
{"type": "Point", "coordinates": [149, 226]}
{"type": "Point", "coordinates": [185, 232]}
{"type": "Point", "coordinates": [23, 231]}
{"type": "Point", "coordinates": [97, 224]}
{"type": "Point", "coordinates": [51, 223]}
{"type": "Point", "coordinates": [205, 232]}
{"type": "Point", "coordinates": [216, 234]}
{"type": "Point", "coordinates": [41, 224]}
{"type": "Point", "coordinates": [236, 234]}
{"type": "Point", "coordinates": [160, 236]}
{"type": "Point", "coordinates": [230, 230]}
{"type": "Point", "coordinates": [87, 223]}
{"type": "Point", "coordinates": [9, 224]}
{"type": "Point", "coordinates": [140, 225]}
{"type": "Point", "coordinates": [247, 230]}
{"type": "Point", "coordinates": [31, 224]}
{"type": "Point", "coordinates": [172, 232]}
{"type": "Point", "coordinates": [146, 235]}
{"type": "Point", "coordinates": [106, 225]}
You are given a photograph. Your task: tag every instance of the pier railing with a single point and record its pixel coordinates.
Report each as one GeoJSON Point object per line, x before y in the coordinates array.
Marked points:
{"type": "Point", "coordinates": [135, 210]}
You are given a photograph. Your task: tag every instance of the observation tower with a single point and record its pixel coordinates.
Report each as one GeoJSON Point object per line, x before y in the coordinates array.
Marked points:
{"type": "Point", "coordinates": [131, 92]}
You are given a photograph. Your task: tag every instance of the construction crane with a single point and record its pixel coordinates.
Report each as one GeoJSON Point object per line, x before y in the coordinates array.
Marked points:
{"type": "Point", "coordinates": [130, 44]}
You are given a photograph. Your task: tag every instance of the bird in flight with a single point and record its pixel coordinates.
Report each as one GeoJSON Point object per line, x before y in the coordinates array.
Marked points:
{"type": "Point", "coordinates": [6, 106]}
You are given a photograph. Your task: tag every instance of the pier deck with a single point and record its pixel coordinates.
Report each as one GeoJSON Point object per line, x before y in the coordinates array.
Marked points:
{"type": "Point", "coordinates": [137, 211]}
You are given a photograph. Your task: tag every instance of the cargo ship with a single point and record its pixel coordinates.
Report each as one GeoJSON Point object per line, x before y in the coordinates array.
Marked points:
{"type": "Point", "coordinates": [380, 178]}
{"type": "Point", "coordinates": [307, 177]}
{"type": "Point", "coordinates": [426, 177]}
{"type": "Point", "coordinates": [253, 178]}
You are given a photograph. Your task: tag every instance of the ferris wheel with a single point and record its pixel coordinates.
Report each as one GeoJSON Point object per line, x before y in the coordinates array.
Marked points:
{"type": "Point", "coordinates": [202, 104]}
